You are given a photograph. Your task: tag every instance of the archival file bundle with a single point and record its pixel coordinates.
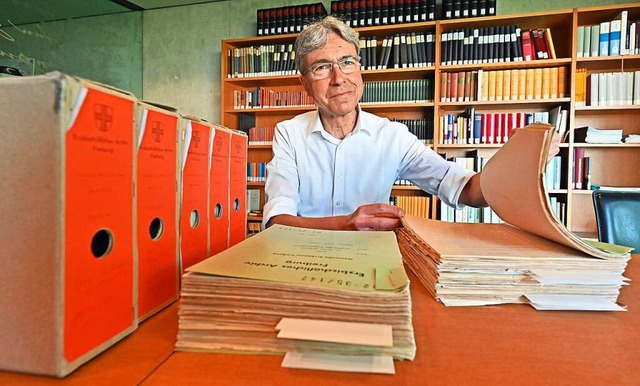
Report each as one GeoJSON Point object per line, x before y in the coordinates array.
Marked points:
{"type": "Point", "coordinates": [531, 258]}
{"type": "Point", "coordinates": [235, 300]}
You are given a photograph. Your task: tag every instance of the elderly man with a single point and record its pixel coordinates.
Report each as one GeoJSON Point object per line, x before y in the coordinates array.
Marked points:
{"type": "Point", "coordinates": [334, 168]}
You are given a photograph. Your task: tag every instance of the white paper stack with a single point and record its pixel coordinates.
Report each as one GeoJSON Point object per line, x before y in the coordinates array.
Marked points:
{"type": "Point", "coordinates": [603, 136]}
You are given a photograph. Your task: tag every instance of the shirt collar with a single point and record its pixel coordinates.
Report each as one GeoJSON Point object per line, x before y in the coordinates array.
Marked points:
{"type": "Point", "coordinates": [315, 125]}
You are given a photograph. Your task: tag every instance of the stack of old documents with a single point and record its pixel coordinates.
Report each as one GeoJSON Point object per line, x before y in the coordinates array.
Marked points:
{"type": "Point", "coordinates": [235, 300]}
{"type": "Point", "coordinates": [531, 258]}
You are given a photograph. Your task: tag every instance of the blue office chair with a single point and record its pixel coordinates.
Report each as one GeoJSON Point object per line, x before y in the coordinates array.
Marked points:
{"type": "Point", "coordinates": [618, 217]}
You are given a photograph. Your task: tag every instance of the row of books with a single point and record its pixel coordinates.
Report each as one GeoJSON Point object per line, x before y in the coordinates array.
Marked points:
{"type": "Point", "coordinates": [263, 97]}
{"type": "Point", "coordinates": [361, 13]}
{"type": "Point", "coordinates": [289, 19]}
{"type": "Point", "coordinates": [403, 183]}
{"type": "Point", "coordinates": [419, 206]}
{"type": "Point", "coordinates": [607, 88]}
{"type": "Point", "coordinates": [263, 60]}
{"type": "Point", "coordinates": [398, 51]}
{"type": "Point", "coordinates": [619, 36]}
{"type": "Point", "coordinates": [397, 91]}
{"type": "Point", "coordinates": [559, 209]}
{"type": "Point", "coordinates": [460, 9]}
{"type": "Point", "coordinates": [253, 228]}
{"type": "Point", "coordinates": [261, 135]}
{"type": "Point", "coordinates": [499, 85]}
{"type": "Point", "coordinates": [581, 170]}
{"type": "Point", "coordinates": [471, 127]}
{"type": "Point", "coordinates": [256, 171]}
{"type": "Point", "coordinates": [496, 44]}
{"type": "Point", "coordinates": [421, 128]}
{"type": "Point", "coordinates": [472, 161]}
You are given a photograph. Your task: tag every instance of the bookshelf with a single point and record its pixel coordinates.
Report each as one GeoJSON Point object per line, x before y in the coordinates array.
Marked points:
{"type": "Point", "coordinates": [563, 26]}
{"type": "Point", "coordinates": [611, 164]}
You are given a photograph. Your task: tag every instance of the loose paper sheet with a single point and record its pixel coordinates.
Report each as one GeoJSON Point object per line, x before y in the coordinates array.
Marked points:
{"type": "Point", "coordinates": [552, 302]}
{"type": "Point", "coordinates": [348, 363]}
{"type": "Point", "coordinates": [338, 332]}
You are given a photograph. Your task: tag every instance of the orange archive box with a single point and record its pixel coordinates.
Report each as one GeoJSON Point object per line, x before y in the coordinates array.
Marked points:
{"type": "Point", "coordinates": [68, 259]}
{"type": "Point", "coordinates": [197, 140]}
{"type": "Point", "coordinates": [238, 188]}
{"type": "Point", "coordinates": [219, 192]}
{"type": "Point", "coordinates": [157, 205]}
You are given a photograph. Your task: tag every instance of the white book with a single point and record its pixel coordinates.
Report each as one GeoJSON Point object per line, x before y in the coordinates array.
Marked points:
{"type": "Point", "coordinates": [562, 126]}
{"type": "Point", "coordinates": [594, 89]}
{"type": "Point", "coordinates": [623, 17]}
{"type": "Point", "coordinates": [619, 88]}
{"type": "Point", "coordinates": [587, 41]}
{"type": "Point", "coordinates": [580, 50]}
{"type": "Point", "coordinates": [636, 87]}
{"type": "Point", "coordinates": [613, 89]}
{"type": "Point", "coordinates": [602, 89]}
{"type": "Point", "coordinates": [595, 40]}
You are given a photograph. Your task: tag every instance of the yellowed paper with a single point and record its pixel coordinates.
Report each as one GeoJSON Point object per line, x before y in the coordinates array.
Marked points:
{"type": "Point", "coordinates": [512, 184]}
{"type": "Point", "coordinates": [330, 259]}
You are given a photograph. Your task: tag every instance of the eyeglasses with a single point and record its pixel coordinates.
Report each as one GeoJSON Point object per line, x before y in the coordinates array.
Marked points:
{"type": "Point", "coordinates": [323, 70]}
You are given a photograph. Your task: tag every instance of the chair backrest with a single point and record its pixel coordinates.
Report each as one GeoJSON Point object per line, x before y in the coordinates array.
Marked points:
{"type": "Point", "coordinates": [618, 217]}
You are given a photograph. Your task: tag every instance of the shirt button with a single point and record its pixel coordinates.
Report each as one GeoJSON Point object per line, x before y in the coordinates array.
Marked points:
{"type": "Point", "coordinates": [338, 203]}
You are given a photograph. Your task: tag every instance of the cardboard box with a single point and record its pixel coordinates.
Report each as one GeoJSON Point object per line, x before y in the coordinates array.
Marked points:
{"type": "Point", "coordinates": [197, 142]}
{"type": "Point", "coordinates": [219, 209]}
{"type": "Point", "coordinates": [157, 207]}
{"type": "Point", "coordinates": [66, 230]}
{"type": "Point", "coordinates": [238, 188]}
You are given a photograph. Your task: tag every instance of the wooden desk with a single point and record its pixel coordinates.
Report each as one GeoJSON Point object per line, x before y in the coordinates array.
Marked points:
{"type": "Point", "coordinates": [510, 344]}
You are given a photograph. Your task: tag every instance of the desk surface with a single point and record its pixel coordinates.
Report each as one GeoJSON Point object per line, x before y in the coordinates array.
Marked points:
{"type": "Point", "coordinates": [508, 344]}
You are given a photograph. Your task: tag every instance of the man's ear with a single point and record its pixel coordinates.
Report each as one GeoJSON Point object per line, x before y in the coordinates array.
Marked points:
{"type": "Point", "coordinates": [305, 84]}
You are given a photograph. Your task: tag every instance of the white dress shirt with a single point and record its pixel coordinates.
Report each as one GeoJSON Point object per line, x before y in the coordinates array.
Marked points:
{"type": "Point", "coordinates": [313, 174]}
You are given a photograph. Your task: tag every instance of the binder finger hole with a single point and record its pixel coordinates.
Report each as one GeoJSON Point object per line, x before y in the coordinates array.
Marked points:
{"type": "Point", "coordinates": [194, 219]}
{"type": "Point", "coordinates": [236, 205]}
{"type": "Point", "coordinates": [217, 211]}
{"type": "Point", "coordinates": [156, 229]}
{"type": "Point", "coordinates": [102, 243]}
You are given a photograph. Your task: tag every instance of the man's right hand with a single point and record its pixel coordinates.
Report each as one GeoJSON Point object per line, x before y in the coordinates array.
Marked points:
{"type": "Point", "coordinates": [375, 217]}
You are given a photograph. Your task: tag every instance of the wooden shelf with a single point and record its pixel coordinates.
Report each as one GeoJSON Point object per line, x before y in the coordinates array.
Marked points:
{"type": "Point", "coordinates": [533, 102]}
{"type": "Point", "coordinates": [563, 26]}
{"type": "Point", "coordinates": [507, 65]}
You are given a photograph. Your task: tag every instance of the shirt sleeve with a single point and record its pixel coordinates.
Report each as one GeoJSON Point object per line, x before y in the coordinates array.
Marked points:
{"type": "Point", "coordinates": [431, 172]}
{"type": "Point", "coordinates": [281, 187]}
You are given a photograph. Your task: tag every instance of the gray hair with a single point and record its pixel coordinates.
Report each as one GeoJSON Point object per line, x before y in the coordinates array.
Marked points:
{"type": "Point", "coordinates": [315, 35]}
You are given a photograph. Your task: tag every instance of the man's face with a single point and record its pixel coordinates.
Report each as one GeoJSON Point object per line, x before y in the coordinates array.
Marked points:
{"type": "Point", "coordinates": [337, 95]}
